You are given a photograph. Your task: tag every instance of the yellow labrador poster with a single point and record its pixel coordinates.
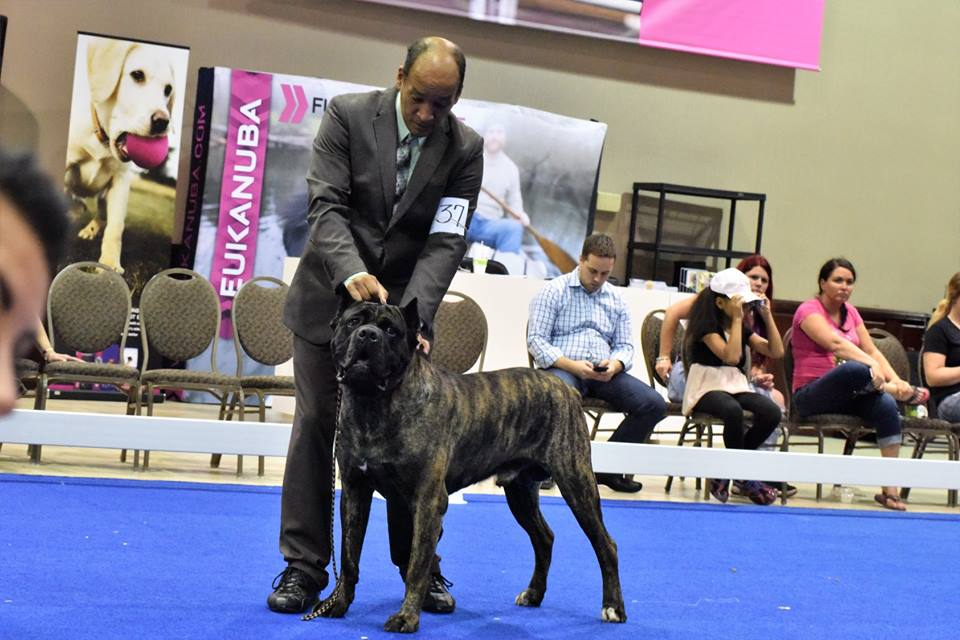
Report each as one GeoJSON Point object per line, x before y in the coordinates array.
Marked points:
{"type": "Point", "coordinates": [122, 153]}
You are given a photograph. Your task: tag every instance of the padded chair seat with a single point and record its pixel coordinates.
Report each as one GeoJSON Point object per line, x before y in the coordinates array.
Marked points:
{"type": "Point", "coordinates": [267, 382]}
{"type": "Point", "coordinates": [94, 369]}
{"type": "Point", "coordinates": [26, 368]}
{"type": "Point", "coordinates": [928, 424]}
{"type": "Point", "coordinates": [596, 403]}
{"type": "Point", "coordinates": [829, 419]}
{"type": "Point", "coordinates": [185, 376]}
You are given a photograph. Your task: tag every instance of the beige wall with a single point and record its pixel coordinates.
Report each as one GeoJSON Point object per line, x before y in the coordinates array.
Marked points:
{"type": "Point", "coordinates": [860, 159]}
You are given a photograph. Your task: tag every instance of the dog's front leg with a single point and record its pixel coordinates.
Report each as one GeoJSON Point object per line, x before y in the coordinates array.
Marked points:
{"type": "Point", "coordinates": [355, 497]}
{"type": "Point", "coordinates": [428, 510]}
{"type": "Point", "coordinates": [118, 195]}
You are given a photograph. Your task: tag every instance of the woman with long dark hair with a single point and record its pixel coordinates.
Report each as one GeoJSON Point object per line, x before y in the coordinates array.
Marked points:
{"type": "Point", "coordinates": [760, 274]}
{"type": "Point", "coordinates": [715, 358]}
{"type": "Point", "coordinates": [941, 353]}
{"type": "Point", "coordinates": [838, 369]}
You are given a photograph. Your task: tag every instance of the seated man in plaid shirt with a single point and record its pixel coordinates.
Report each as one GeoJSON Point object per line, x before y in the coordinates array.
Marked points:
{"type": "Point", "coordinates": [580, 331]}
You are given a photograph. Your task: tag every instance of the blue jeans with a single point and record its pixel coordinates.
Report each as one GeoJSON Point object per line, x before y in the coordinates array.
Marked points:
{"type": "Point", "coordinates": [949, 408]}
{"type": "Point", "coordinates": [847, 390]}
{"type": "Point", "coordinates": [503, 235]}
{"type": "Point", "coordinates": [643, 406]}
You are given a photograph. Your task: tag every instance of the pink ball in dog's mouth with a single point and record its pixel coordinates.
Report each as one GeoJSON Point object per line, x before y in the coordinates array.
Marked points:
{"type": "Point", "coordinates": [146, 152]}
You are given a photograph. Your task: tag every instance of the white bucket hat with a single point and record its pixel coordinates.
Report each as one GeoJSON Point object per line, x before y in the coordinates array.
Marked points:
{"type": "Point", "coordinates": [733, 282]}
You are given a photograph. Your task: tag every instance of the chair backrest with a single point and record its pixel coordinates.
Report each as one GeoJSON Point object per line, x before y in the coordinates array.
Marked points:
{"type": "Point", "coordinates": [179, 316]}
{"type": "Point", "coordinates": [892, 349]}
{"type": "Point", "coordinates": [788, 369]}
{"type": "Point", "coordinates": [650, 343]}
{"type": "Point", "coordinates": [88, 308]}
{"type": "Point", "coordinates": [257, 316]}
{"type": "Point", "coordinates": [459, 334]}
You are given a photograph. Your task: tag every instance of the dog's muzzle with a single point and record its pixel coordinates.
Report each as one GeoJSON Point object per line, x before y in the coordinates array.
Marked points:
{"type": "Point", "coordinates": [365, 352]}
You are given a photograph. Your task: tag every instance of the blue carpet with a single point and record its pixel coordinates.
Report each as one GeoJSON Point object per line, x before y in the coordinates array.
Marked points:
{"type": "Point", "coordinates": [83, 558]}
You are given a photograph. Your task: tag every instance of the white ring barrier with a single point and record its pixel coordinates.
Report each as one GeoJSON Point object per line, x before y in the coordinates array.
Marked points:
{"type": "Point", "coordinates": [187, 435]}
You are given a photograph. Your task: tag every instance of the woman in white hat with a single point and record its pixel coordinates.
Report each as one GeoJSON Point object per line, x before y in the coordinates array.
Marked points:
{"type": "Point", "coordinates": [715, 358]}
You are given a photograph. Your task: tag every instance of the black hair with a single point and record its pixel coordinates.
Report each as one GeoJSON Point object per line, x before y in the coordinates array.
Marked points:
{"type": "Point", "coordinates": [37, 200]}
{"type": "Point", "coordinates": [705, 317]}
{"type": "Point", "coordinates": [825, 271]}
{"type": "Point", "coordinates": [421, 46]}
{"type": "Point", "coordinates": [600, 245]}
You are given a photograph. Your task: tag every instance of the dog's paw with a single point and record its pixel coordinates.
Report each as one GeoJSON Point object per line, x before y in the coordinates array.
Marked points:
{"type": "Point", "coordinates": [529, 598]}
{"type": "Point", "coordinates": [402, 623]}
{"type": "Point", "coordinates": [91, 231]}
{"type": "Point", "coordinates": [112, 262]}
{"type": "Point", "coordinates": [613, 614]}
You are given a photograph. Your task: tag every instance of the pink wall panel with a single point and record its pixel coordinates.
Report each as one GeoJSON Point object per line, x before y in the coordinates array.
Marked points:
{"type": "Point", "coordinates": [782, 32]}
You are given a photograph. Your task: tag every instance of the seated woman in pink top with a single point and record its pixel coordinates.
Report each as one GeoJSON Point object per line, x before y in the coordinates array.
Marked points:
{"type": "Point", "coordinates": [838, 369]}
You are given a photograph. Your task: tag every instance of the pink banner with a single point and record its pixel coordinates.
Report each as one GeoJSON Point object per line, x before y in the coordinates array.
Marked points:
{"type": "Point", "coordinates": [235, 251]}
{"type": "Point", "coordinates": [781, 32]}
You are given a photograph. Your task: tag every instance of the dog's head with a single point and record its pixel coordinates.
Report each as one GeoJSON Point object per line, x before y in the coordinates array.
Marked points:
{"type": "Point", "coordinates": [373, 344]}
{"type": "Point", "coordinates": [132, 90]}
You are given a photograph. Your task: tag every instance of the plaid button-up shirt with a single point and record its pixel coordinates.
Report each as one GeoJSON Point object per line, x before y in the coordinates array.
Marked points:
{"type": "Point", "coordinates": [567, 320]}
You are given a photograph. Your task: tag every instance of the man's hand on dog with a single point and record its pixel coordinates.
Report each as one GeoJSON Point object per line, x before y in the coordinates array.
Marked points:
{"type": "Point", "coordinates": [364, 286]}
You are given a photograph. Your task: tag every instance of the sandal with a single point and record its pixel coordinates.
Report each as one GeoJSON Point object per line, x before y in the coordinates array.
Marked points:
{"type": "Point", "coordinates": [736, 489]}
{"type": "Point", "coordinates": [920, 396]}
{"type": "Point", "coordinates": [720, 489]}
{"type": "Point", "coordinates": [890, 501]}
{"type": "Point", "coordinates": [759, 493]}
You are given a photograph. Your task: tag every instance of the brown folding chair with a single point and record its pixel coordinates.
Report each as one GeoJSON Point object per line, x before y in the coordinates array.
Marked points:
{"type": "Point", "coordinates": [259, 332]}
{"type": "Point", "coordinates": [460, 334]}
{"type": "Point", "coordinates": [699, 427]}
{"type": "Point", "coordinates": [179, 320]}
{"type": "Point", "coordinates": [88, 310]}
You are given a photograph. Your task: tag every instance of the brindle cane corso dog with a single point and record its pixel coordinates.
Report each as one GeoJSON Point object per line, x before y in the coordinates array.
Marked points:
{"type": "Point", "coordinates": [415, 432]}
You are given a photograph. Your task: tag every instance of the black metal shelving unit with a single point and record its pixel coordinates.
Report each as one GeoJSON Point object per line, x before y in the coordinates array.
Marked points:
{"type": "Point", "coordinates": [658, 247]}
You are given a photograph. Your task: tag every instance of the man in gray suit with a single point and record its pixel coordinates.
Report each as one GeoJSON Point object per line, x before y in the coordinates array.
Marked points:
{"type": "Point", "coordinates": [393, 178]}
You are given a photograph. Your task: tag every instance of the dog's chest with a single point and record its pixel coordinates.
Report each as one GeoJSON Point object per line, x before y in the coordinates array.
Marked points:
{"type": "Point", "coordinates": [95, 174]}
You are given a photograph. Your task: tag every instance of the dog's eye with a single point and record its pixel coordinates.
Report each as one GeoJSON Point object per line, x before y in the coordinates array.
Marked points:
{"type": "Point", "coordinates": [353, 322]}
{"type": "Point", "coordinates": [391, 332]}
{"type": "Point", "coordinates": [167, 90]}
{"type": "Point", "coordinates": [138, 76]}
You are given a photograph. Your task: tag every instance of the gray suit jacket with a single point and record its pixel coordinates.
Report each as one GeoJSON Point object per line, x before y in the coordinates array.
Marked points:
{"type": "Point", "coordinates": [352, 223]}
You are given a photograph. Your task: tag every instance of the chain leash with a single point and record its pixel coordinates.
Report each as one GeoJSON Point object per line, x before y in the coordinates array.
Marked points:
{"type": "Point", "coordinates": [323, 606]}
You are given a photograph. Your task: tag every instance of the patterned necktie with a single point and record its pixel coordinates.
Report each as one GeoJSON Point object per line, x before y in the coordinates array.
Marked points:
{"type": "Point", "coordinates": [403, 163]}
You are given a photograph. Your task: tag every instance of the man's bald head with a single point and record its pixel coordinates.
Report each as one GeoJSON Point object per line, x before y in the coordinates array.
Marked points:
{"type": "Point", "coordinates": [429, 82]}
{"type": "Point", "coordinates": [440, 50]}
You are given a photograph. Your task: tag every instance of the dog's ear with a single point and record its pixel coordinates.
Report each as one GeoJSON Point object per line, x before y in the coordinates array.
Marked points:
{"type": "Point", "coordinates": [411, 317]}
{"type": "Point", "coordinates": [346, 301]}
{"type": "Point", "coordinates": [105, 60]}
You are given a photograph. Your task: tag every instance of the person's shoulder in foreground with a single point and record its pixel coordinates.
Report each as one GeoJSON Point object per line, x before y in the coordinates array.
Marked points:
{"type": "Point", "coordinates": [33, 225]}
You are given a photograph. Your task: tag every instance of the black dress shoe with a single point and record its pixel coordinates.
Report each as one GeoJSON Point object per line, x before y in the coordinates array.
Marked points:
{"type": "Point", "coordinates": [293, 592]}
{"type": "Point", "coordinates": [437, 598]}
{"type": "Point", "coordinates": [619, 482]}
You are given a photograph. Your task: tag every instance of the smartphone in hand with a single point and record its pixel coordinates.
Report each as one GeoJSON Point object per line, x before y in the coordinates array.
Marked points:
{"type": "Point", "coordinates": [599, 369]}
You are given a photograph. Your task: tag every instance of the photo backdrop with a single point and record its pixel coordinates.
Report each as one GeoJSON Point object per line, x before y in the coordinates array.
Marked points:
{"type": "Point", "coordinates": [120, 179]}
{"type": "Point", "coordinates": [250, 149]}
